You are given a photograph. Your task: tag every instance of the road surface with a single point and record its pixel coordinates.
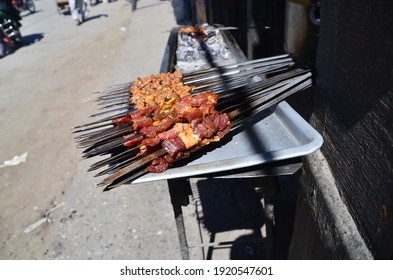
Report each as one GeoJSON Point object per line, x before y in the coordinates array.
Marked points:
{"type": "Point", "coordinates": [45, 89]}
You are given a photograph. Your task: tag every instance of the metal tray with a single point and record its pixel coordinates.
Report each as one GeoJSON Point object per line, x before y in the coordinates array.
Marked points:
{"type": "Point", "coordinates": [278, 134]}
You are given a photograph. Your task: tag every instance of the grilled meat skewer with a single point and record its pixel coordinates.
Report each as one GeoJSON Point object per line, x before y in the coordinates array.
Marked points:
{"type": "Point", "coordinates": [298, 84]}
{"type": "Point", "coordinates": [239, 98]}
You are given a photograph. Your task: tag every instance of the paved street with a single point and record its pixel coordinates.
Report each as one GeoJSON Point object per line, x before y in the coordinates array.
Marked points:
{"type": "Point", "coordinates": [45, 89]}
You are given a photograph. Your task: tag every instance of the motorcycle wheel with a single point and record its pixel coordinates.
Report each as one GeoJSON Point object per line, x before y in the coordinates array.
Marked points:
{"type": "Point", "coordinates": [30, 6]}
{"type": "Point", "coordinates": [3, 49]}
{"type": "Point", "coordinates": [18, 39]}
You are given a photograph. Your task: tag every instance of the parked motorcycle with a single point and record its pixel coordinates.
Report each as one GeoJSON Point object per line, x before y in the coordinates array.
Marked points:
{"type": "Point", "coordinates": [24, 5]}
{"type": "Point", "coordinates": [10, 36]}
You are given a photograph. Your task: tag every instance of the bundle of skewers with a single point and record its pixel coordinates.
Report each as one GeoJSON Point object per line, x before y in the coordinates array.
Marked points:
{"type": "Point", "coordinates": [147, 125]}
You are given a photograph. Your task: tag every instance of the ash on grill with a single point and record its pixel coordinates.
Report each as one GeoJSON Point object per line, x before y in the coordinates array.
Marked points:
{"type": "Point", "coordinates": [201, 48]}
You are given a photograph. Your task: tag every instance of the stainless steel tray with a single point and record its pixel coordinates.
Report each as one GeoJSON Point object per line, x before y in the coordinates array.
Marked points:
{"type": "Point", "coordinates": [279, 134]}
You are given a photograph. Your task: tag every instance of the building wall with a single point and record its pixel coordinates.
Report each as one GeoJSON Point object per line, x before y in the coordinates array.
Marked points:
{"type": "Point", "coordinates": [353, 111]}
{"type": "Point", "coordinates": [260, 24]}
{"type": "Point", "coordinates": [345, 208]}
{"type": "Point", "coordinates": [354, 106]}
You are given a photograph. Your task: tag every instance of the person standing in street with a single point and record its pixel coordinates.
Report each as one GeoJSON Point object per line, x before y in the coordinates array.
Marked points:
{"type": "Point", "coordinates": [74, 11]}
{"type": "Point", "coordinates": [78, 10]}
{"type": "Point", "coordinates": [182, 10]}
{"type": "Point", "coordinates": [133, 5]}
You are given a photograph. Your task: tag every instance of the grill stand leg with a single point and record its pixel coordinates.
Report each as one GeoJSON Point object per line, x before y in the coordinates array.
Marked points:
{"type": "Point", "coordinates": [269, 189]}
{"type": "Point", "coordinates": [179, 191]}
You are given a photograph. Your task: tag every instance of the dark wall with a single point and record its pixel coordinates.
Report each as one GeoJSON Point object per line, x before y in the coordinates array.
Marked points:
{"type": "Point", "coordinates": [260, 24]}
{"type": "Point", "coordinates": [351, 105]}
{"type": "Point", "coordinates": [230, 13]}
{"type": "Point", "coordinates": [354, 106]}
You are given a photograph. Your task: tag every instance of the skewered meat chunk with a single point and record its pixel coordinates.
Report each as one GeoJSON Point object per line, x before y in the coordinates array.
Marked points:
{"type": "Point", "coordinates": [192, 29]}
{"type": "Point", "coordinates": [158, 89]}
{"type": "Point", "coordinates": [173, 146]}
{"type": "Point", "coordinates": [173, 132]}
{"type": "Point", "coordinates": [164, 124]}
{"type": "Point", "coordinates": [122, 120]}
{"type": "Point", "coordinates": [200, 132]}
{"type": "Point", "coordinates": [133, 142]}
{"type": "Point", "coordinates": [151, 142]}
{"type": "Point", "coordinates": [158, 165]}
{"type": "Point", "coordinates": [149, 131]}
{"type": "Point", "coordinates": [189, 138]}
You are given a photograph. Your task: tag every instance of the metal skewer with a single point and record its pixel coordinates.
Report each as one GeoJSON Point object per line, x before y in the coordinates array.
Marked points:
{"type": "Point", "coordinates": [237, 116]}
{"type": "Point", "coordinates": [239, 96]}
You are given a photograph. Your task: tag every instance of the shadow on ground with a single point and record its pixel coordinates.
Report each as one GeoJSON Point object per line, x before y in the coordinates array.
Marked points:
{"type": "Point", "coordinates": [235, 204]}
{"type": "Point", "coordinates": [95, 17]}
{"type": "Point", "coordinates": [229, 205]}
{"type": "Point", "coordinates": [32, 38]}
{"type": "Point", "coordinates": [28, 13]}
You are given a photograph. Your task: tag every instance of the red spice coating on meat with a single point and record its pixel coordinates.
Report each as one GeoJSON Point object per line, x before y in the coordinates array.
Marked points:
{"type": "Point", "coordinates": [133, 142]}
{"type": "Point", "coordinates": [158, 89]}
{"type": "Point", "coordinates": [122, 120]}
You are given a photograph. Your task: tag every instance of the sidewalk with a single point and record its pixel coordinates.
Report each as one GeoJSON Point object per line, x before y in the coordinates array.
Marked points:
{"type": "Point", "coordinates": [130, 222]}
